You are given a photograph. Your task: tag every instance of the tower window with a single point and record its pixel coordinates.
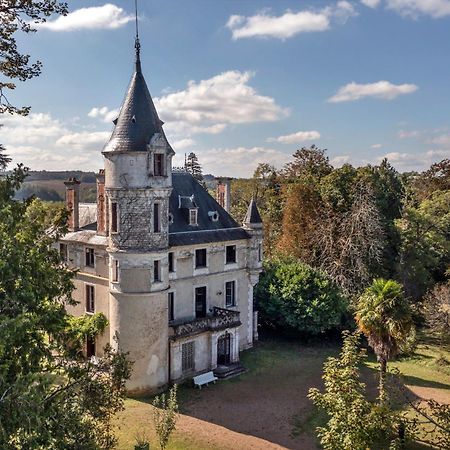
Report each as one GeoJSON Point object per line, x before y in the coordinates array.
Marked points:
{"type": "Point", "coordinates": [90, 298]}
{"type": "Point", "coordinates": [171, 299]}
{"type": "Point", "coordinates": [63, 252]}
{"type": "Point", "coordinates": [230, 254]}
{"type": "Point", "coordinates": [171, 263]}
{"type": "Point", "coordinates": [260, 252]}
{"type": "Point", "coordinates": [158, 164]}
{"type": "Point", "coordinates": [116, 270]}
{"type": "Point", "coordinates": [114, 217]}
{"type": "Point", "coordinates": [193, 216]}
{"type": "Point", "coordinates": [157, 218]}
{"type": "Point", "coordinates": [156, 271]}
{"type": "Point", "coordinates": [200, 258]}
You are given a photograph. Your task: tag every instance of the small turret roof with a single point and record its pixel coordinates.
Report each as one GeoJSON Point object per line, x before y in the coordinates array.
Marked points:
{"type": "Point", "coordinates": [252, 215]}
{"type": "Point", "coordinates": [138, 120]}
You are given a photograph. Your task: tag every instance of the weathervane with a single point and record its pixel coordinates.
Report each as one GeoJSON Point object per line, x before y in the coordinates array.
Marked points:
{"type": "Point", "coordinates": [137, 44]}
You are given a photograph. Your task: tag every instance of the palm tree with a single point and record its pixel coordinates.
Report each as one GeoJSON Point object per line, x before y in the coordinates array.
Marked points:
{"type": "Point", "coordinates": [384, 316]}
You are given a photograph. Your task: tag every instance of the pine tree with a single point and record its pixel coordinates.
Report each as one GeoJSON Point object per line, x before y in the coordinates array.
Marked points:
{"type": "Point", "coordinates": [192, 166]}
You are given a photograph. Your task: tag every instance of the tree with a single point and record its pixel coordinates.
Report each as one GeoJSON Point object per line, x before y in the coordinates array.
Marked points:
{"type": "Point", "coordinates": [308, 162]}
{"type": "Point", "coordinates": [294, 297]}
{"type": "Point", "coordinates": [20, 15]}
{"type": "Point", "coordinates": [165, 415]}
{"type": "Point", "coordinates": [4, 159]}
{"type": "Point", "coordinates": [50, 396]}
{"type": "Point", "coordinates": [354, 423]}
{"type": "Point", "coordinates": [436, 308]}
{"type": "Point", "coordinates": [385, 317]}
{"type": "Point", "coordinates": [193, 166]}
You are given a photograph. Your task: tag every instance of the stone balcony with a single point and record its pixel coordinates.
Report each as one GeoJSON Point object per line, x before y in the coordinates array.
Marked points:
{"type": "Point", "coordinates": [217, 320]}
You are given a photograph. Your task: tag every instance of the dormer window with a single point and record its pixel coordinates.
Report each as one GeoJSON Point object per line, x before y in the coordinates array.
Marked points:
{"type": "Point", "coordinates": [193, 213]}
{"type": "Point", "coordinates": [213, 215]}
{"type": "Point", "coordinates": [158, 164]}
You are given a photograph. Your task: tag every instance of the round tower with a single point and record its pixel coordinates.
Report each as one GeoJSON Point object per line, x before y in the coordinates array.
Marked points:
{"type": "Point", "coordinates": [138, 183]}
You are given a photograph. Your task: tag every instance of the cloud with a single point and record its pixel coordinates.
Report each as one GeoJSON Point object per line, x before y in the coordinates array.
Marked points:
{"type": "Point", "coordinates": [381, 90]}
{"type": "Point", "coordinates": [83, 140]}
{"type": "Point", "coordinates": [104, 113]}
{"type": "Point", "coordinates": [371, 3]}
{"type": "Point", "coordinates": [209, 106]}
{"type": "Point", "coordinates": [408, 134]}
{"type": "Point", "coordinates": [375, 146]}
{"type": "Point", "coordinates": [414, 8]}
{"type": "Point", "coordinates": [442, 140]}
{"type": "Point", "coordinates": [340, 160]}
{"type": "Point", "coordinates": [294, 138]}
{"type": "Point", "coordinates": [415, 161]}
{"type": "Point", "coordinates": [264, 25]}
{"type": "Point", "coordinates": [183, 143]}
{"type": "Point", "coordinates": [104, 17]}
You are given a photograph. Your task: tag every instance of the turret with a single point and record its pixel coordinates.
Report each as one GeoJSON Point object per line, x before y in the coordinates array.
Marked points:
{"type": "Point", "coordinates": [254, 226]}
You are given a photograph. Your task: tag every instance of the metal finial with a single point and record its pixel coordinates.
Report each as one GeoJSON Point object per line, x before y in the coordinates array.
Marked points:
{"type": "Point", "coordinates": [137, 44]}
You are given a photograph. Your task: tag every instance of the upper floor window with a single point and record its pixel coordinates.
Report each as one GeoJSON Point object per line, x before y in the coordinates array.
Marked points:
{"type": "Point", "coordinates": [200, 258]}
{"type": "Point", "coordinates": [115, 270]}
{"type": "Point", "coordinates": [230, 254]}
{"type": "Point", "coordinates": [158, 164]}
{"type": "Point", "coordinates": [90, 298]}
{"type": "Point", "coordinates": [193, 213]}
{"type": "Point", "coordinates": [230, 293]}
{"type": "Point", "coordinates": [156, 271]}
{"type": "Point", "coordinates": [63, 253]}
{"type": "Point", "coordinates": [171, 263]}
{"type": "Point", "coordinates": [114, 217]}
{"type": "Point", "coordinates": [156, 218]}
{"type": "Point", "coordinates": [90, 257]}
{"type": "Point", "coordinates": [171, 306]}
{"type": "Point", "coordinates": [260, 252]}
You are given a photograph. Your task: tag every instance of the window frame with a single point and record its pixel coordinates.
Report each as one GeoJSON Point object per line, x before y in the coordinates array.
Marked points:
{"type": "Point", "coordinates": [188, 357]}
{"type": "Point", "coordinates": [234, 260]}
{"type": "Point", "coordinates": [115, 270]}
{"type": "Point", "coordinates": [193, 214]}
{"type": "Point", "coordinates": [156, 217]}
{"type": "Point", "coordinates": [89, 293]}
{"type": "Point", "coordinates": [89, 257]}
{"type": "Point", "coordinates": [197, 250]}
{"type": "Point", "coordinates": [233, 302]}
{"type": "Point", "coordinates": [158, 164]}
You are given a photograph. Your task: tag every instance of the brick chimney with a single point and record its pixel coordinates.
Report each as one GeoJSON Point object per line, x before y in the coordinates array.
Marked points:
{"type": "Point", "coordinates": [223, 193]}
{"type": "Point", "coordinates": [73, 203]}
{"type": "Point", "coordinates": [101, 203]}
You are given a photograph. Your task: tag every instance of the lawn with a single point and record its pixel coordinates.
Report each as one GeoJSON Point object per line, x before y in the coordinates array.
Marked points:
{"type": "Point", "coordinates": [267, 408]}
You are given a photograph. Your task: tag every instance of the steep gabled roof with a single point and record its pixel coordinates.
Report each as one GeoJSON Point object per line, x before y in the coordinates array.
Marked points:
{"type": "Point", "coordinates": [252, 216]}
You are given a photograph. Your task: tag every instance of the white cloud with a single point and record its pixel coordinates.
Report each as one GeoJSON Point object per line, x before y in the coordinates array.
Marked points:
{"type": "Point", "coordinates": [294, 138]}
{"type": "Point", "coordinates": [408, 134]}
{"type": "Point", "coordinates": [209, 106]}
{"type": "Point", "coordinates": [415, 161]}
{"type": "Point", "coordinates": [371, 3]}
{"type": "Point", "coordinates": [443, 140]}
{"type": "Point", "coordinates": [83, 140]}
{"type": "Point", "coordinates": [414, 8]}
{"type": "Point", "coordinates": [183, 143]}
{"type": "Point", "coordinates": [104, 113]}
{"type": "Point", "coordinates": [290, 23]}
{"type": "Point", "coordinates": [381, 90]}
{"type": "Point", "coordinates": [375, 146]}
{"type": "Point", "coordinates": [108, 16]}
{"type": "Point", "coordinates": [340, 160]}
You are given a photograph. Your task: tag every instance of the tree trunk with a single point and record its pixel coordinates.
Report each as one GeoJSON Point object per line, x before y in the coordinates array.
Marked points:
{"type": "Point", "coordinates": [381, 385]}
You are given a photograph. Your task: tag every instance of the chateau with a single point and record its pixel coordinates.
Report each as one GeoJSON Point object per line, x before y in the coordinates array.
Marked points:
{"type": "Point", "coordinates": [163, 260]}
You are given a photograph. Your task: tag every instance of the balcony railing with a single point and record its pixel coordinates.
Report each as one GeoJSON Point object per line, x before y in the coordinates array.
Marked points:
{"type": "Point", "coordinates": [218, 319]}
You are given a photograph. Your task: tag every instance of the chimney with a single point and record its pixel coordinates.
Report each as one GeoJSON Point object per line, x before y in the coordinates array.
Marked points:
{"type": "Point", "coordinates": [73, 203]}
{"type": "Point", "coordinates": [223, 195]}
{"type": "Point", "coordinates": [101, 203]}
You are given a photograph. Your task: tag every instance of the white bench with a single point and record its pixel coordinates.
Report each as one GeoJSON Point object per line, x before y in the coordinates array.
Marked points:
{"type": "Point", "coordinates": [204, 378]}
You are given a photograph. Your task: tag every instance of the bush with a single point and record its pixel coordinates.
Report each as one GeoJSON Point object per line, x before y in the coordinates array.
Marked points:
{"type": "Point", "coordinates": [297, 298]}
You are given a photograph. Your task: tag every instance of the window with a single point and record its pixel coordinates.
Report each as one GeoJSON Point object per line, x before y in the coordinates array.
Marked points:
{"type": "Point", "coordinates": [156, 218]}
{"type": "Point", "coordinates": [115, 270]}
{"type": "Point", "coordinates": [171, 298]}
{"type": "Point", "coordinates": [63, 252]}
{"type": "Point", "coordinates": [188, 356]}
{"type": "Point", "coordinates": [260, 253]}
{"type": "Point", "coordinates": [230, 293]}
{"type": "Point", "coordinates": [158, 164]}
{"type": "Point", "coordinates": [90, 298]}
{"type": "Point", "coordinates": [156, 271]}
{"type": "Point", "coordinates": [90, 257]}
{"type": "Point", "coordinates": [200, 258]}
{"type": "Point", "coordinates": [193, 216]}
{"type": "Point", "coordinates": [114, 217]}
{"type": "Point", "coordinates": [171, 263]}
{"type": "Point", "coordinates": [230, 254]}
{"type": "Point", "coordinates": [200, 302]}
{"type": "Point", "coordinates": [90, 346]}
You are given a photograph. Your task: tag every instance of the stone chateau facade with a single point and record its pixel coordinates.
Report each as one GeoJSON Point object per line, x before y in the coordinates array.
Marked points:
{"type": "Point", "coordinates": [157, 255]}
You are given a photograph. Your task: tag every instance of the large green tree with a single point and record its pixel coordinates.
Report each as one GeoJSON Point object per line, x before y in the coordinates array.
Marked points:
{"type": "Point", "coordinates": [50, 396]}
{"type": "Point", "coordinates": [384, 316]}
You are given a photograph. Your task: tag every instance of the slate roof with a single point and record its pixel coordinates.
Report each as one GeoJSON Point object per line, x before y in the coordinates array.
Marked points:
{"type": "Point", "coordinates": [252, 215]}
{"type": "Point", "coordinates": [138, 120]}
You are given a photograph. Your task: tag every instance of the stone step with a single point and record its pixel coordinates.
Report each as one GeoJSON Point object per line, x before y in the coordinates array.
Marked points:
{"type": "Point", "coordinates": [225, 372]}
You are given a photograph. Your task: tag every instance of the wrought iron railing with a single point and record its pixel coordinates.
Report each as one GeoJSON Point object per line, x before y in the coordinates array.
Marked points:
{"type": "Point", "coordinates": [220, 318]}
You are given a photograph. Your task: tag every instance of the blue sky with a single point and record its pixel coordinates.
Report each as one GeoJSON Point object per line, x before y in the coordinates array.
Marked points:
{"type": "Point", "coordinates": [244, 81]}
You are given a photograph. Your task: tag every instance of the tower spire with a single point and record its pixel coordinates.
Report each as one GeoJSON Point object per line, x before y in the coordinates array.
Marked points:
{"type": "Point", "coordinates": [137, 44]}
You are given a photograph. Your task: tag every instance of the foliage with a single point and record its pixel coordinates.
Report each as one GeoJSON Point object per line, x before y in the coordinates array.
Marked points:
{"type": "Point", "coordinates": [384, 316]}
{"type": "Point", "coordinates": [4, 159]}
{"type": "Point", "coordinates": [193, 166]}
{"type": "Point", "coordinates": [165, 416]}
{"type": "Point", "coordinates": [49, 398]}
{"type": "Point", "coordinates": [20, 15]}
{"type": "Point", "coordinates": [308, 162]}
{"type": "Point", "coordinates": [354, 423]}
{"type": "Point", "coordinates": [294, 296]}
{"type": "Point", "coordinates": [436, 308]}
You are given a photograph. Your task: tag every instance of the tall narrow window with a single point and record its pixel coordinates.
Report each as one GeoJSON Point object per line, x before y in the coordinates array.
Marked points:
{"type": "Point", "coordinates": [230, 293]}
{"type": "Point", "coordinates": [90, 257]}
{"type": "Point", "coordinates": [158, 164]}
{"type": "Point", "coordinates": [171, 263]}
{"type": "Point", "coordinates": [188, 356]}
{"type": "Point", "coordinates": [90, 346]}
{"type": "Point", "coordinates": [115, 270]}
{"type": "Point", "coordinates": [230, 256]}
{"type": "Point", "coordinates": [63, 252]}
{"type": "Point", "coordinates": [200, 258]}
{"type": "Point", "coordinates": [171, 298]}
{"type": "Point", "coordinates": [90, 298]}
{"type": "Point", "coordinates": [260, 253]}
{"type": "Point", "coordinates": [156, 217]}
{"type": "Point", "coordinates": [114, 217]}
{"type": "Point", "coordinates": [193, 216]}
{"type": "Point", "coordinates": [156, 271]}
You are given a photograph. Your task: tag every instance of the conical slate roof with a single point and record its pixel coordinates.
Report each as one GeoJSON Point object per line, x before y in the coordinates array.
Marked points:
{"type": "Point", "coordinates": [138, 120]}
{"type": "Point", "coordinates": [252, 215]}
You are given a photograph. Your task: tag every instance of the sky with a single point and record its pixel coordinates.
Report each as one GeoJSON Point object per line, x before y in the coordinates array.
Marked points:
{"type": "Point", "coordinates": [241, 82]}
